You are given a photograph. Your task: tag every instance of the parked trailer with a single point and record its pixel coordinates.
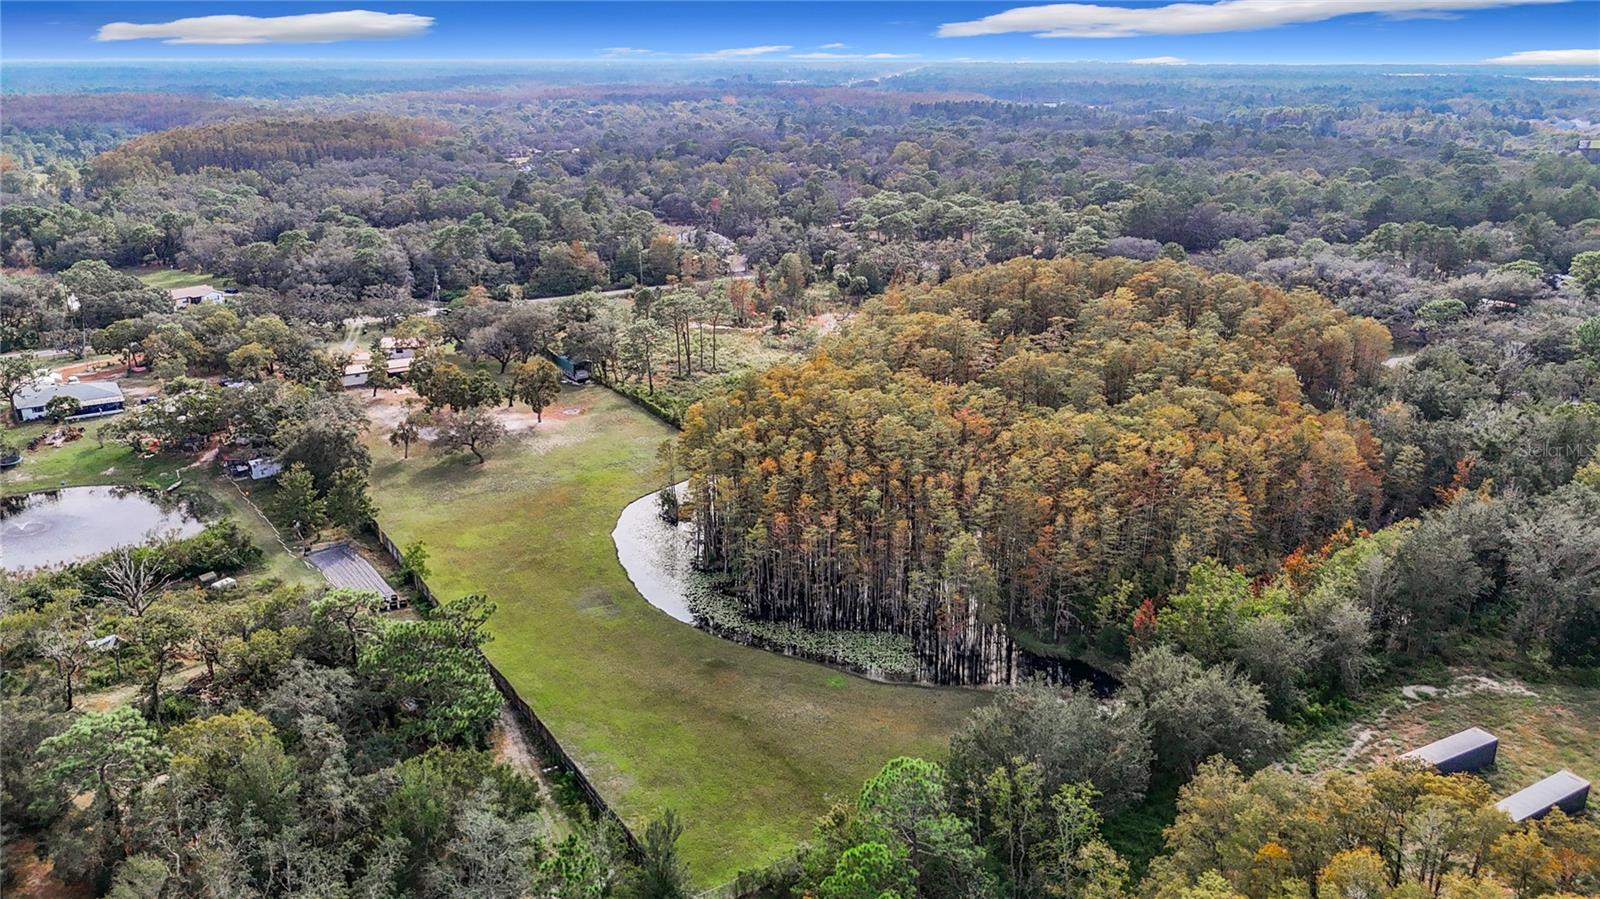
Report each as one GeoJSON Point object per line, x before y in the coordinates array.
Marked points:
{"type": "Point", "coordinates": [1563, 790]}
{"type": "Point", "coordinates": [577, 371]}
{"type": "Point", "coordinates": [1470, 750]}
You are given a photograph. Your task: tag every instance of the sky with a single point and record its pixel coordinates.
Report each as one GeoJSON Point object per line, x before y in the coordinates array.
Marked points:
{"type": "Point", "coordinates": [1537, 32]}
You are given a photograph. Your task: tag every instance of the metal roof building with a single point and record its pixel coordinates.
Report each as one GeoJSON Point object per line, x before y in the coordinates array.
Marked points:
{"type": "Point", "coordinates": [1470, 750]}
{"type": "Point", "coordinates": [95, 397]}
{"type": "Point", "coordinates": [1563, 790]}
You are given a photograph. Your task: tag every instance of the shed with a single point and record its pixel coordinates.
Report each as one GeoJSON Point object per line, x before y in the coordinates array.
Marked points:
{"type": "Point", "coordinates": [255, 469]}
{"type": "Point", "coordinates": [1470, 750]}
{"type": "Point", "coordinates": [1563, 790]}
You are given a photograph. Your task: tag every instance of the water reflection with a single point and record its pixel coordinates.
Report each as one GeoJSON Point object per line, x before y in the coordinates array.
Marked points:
{"type": "Point", "coordinates": [53, 527]}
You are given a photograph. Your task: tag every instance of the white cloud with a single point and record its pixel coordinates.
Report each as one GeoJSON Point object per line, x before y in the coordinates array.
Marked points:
{"type": "Point", "coordinates": [741, 52]}
{"type": "Point", "coordinates": [1159, 61]}
{"type": "Point", "coordinates": [1549, 58]}
{"type": "Point", "coordinates": [833, 46]}
{"type": "Point", "coordinates": [853, 56]}
{"type": "Point", "coordinates": [312, 28]}
{"type": "Point", "coordinates": [630, 51]}
{"type": "Point", "coordinates": [1089, 20]}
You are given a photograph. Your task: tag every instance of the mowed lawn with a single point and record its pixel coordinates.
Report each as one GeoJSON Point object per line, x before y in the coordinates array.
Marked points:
{"type": "Point", "coordinates": [749, 747]}
{"type": "Point", "coordinates": [170, 278]}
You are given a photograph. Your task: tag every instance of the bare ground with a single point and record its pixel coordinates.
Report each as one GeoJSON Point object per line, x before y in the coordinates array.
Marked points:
{"type": "Point", "coordinates": [29, 877]}
{"type": "Point", "coordinates": [512, 746]}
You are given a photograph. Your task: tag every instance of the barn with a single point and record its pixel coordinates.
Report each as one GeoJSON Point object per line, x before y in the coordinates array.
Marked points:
{"type": "Point", "coordinates": [575, 371]}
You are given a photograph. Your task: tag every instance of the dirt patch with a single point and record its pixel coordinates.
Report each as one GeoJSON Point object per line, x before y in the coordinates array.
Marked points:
{"type": "Point", "coordinates": [511, 746]}
{"type": "Point", "coordinates": [30, 877]}
{"type": "Point", "coordinates": [1477, 683]}
{"type": "Point", "coordinates": [91, 370]}
{"type": "Point", "coordinates": [388, 408]}
{"type": "Point", "coordinates": [828, 322]}
{"type": "Point", "coordinates": [105, 700]}
{"type": "Point", "coordinates": [521, 418]}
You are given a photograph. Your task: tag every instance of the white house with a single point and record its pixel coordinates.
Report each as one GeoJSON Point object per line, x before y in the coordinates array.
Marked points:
{"type": "Point", "coordinates": [359, 371]}
{"type": "Point", "coordinates": [96, 398]}
{"type": "Point", "coordinates": [192, 296]}
{"type": "Point", "coordinates": [401, 347]}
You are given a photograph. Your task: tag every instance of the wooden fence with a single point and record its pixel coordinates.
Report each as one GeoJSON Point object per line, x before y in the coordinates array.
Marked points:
{"type": "Point", "coordinates": [550, 747]}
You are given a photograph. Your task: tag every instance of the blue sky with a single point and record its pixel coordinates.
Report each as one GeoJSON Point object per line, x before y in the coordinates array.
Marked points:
{"type": "Point", "coordinates": [1225, 31]}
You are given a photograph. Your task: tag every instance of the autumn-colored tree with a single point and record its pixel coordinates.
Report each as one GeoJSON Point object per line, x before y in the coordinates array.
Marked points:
{"type": "Point", "coordinates": [1066, 427]}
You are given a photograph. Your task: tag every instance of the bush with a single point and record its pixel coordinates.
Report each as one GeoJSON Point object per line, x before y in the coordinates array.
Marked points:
{"type": "Point", "coordinates": [1072, 736]}
{"type": "Point", "coordinates": [222, 546]}
{"type": "Point", "coordinates": [1196, 712]}
{"type": "Point", "coordinates": [662, 405]}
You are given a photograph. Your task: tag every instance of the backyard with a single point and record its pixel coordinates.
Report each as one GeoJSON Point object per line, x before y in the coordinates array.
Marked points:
{"type": "Point", "coordinates": [171, 278]}
{"type": "Point", "coordinates": [747, 746]}
{"type": "Point", "coordinates": [86, 461]}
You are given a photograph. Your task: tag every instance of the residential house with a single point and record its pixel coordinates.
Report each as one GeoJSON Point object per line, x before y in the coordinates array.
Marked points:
{"type": "Point", "coordinates": [96, 398]}
{"type": "Point", "coordinates": [401, 347]}
{"type": "Point", "coordinates": [193, 296]}
{"type": "Point", "coordinates": [358, 372]}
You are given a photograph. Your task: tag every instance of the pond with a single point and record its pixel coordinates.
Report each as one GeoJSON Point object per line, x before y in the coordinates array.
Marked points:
{"type": "Point", "coordinates": [56, 526]}
{"type": "Point", "coordinates": [659, 557]}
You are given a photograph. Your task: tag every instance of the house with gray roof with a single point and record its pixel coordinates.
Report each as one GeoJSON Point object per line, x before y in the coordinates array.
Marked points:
{"type": "Point", "coordinates": [95, 397]}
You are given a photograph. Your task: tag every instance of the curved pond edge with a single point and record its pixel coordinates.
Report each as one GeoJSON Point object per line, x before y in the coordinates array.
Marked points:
{"type": "Point", "coordinates": [658, 558]}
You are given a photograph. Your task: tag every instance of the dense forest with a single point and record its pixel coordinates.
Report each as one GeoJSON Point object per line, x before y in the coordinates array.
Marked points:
{"type": "Point", "coordinates": [1003, 450]}
{"type": "Point", "coordinates": [1410, 197]}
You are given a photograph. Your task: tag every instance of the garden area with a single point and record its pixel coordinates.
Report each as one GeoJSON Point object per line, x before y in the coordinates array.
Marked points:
{"type": "Point", "coordinates": [748, 747]}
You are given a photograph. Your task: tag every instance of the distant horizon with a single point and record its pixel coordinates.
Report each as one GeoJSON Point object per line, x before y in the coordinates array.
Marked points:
{"type": "Point", "coordinates": [1551, 33]}
{"type": "Point", "coordinates": [735, 65]}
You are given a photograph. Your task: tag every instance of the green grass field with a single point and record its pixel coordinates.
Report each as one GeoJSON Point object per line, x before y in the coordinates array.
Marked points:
{"type": "Point", "coordinates": [749, 747]}
{"type": "Point", "coordinates": [82, 462]}
{"type": "Point", "coordinates": [169, 278]}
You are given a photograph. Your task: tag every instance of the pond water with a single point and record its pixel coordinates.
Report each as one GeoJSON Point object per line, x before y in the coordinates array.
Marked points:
{"type": "Point", "coordinates": [657, 556]}
{"type": "Point", "coordinates": [55, 526]}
